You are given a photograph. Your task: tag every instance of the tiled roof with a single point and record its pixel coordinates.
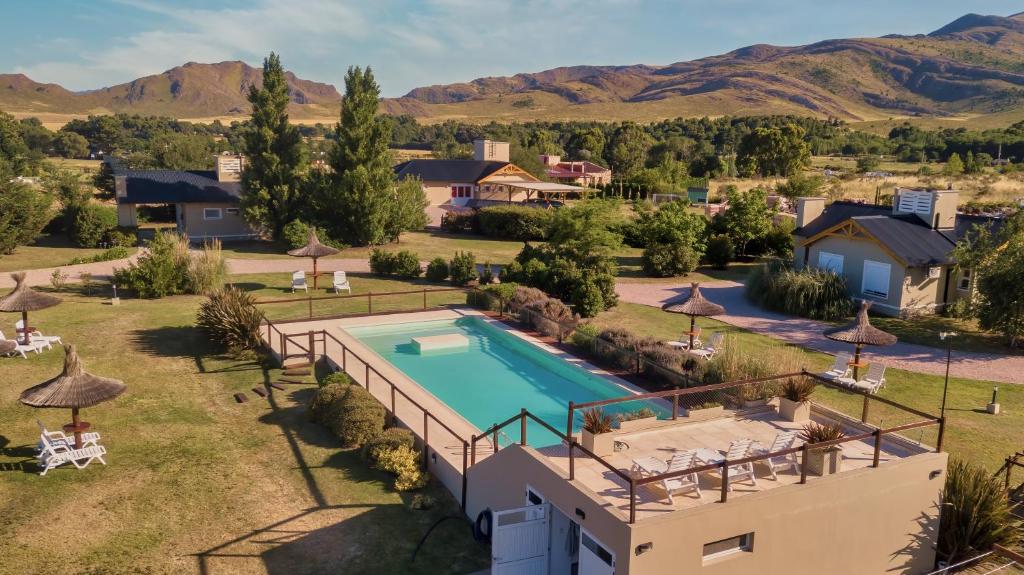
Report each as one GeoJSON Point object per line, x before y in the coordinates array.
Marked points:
{"type": "Point", "coordinates": [449, 171]}
{"type": "Point", "coordinates": [176, 187]}
{"type": "Point", "coordinates": [575, 169]}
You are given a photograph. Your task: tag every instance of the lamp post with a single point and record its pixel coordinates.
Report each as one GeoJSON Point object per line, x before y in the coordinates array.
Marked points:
{"type": "Point", "coordinates": [946, 336]}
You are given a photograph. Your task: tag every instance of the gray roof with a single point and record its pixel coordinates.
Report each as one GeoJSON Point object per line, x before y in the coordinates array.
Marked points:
{"type": "Point", "coordinates": [454, 171]}
{"type": "Point", "coordinates": [907, 236]}
{"type": "Point", "coordinates": [177, 187]}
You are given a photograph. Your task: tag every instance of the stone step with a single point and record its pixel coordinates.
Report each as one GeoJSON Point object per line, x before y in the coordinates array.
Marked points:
{"type": "Point", "coordinates": [241, 398]}
{"type": "Point", "coordinates": [260, 392]}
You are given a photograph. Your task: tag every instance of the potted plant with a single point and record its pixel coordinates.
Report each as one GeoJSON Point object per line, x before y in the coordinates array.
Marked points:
{"type": "Point", "coordinates": [704, 411]}
{"type": "Point", "coordinates": [597, 427]}
{"type": "Point", "coordinates": [633, 420]}
{"type": "Point", "coordinates": [794, 403]}
{"type": "Point", "coordinates": [754, 396]}
{"type": "Point", "coordinates": [823, 461]}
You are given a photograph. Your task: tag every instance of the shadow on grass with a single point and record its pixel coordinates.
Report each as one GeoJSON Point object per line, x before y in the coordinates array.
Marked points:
{"type": "Point", "coordinates": [249, 286]}
{"type": "Point", "coordinates": [26, 454]}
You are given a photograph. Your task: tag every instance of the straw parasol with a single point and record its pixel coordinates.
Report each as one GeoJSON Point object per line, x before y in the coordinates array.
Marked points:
{"type": "Point", "coordinates": [860, 332]}
{"type": "Point", "coordinates": [74, 388]}
{"type": "Point", "coordinates": [25, 299]}
{"type": "Point", "coordinates": [694, 306]}
{"type": "Point", "coordinates": [313, 249]}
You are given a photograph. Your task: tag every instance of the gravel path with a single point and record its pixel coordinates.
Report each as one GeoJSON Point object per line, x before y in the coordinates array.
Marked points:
{"type": "Point", "coordinates": [807, 333]}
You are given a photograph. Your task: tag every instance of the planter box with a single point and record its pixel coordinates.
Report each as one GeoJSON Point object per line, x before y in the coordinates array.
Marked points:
{"type": "Point", "coordinates": [753, 403]}
{"type": "Point", "coordinates": [822, 462]}
{"type": "Point", "coordinates": [706, 413]}
{"type": "Point", "coordinates": [635, 424]}
{"type": "Point", "coordinates": [601, 445]}
{"type": "Point", "coordinates": [793, 411]}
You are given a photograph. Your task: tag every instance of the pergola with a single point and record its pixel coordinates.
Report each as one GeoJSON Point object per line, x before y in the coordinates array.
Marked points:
{"type": "Point", "coordinates": [547, 188]}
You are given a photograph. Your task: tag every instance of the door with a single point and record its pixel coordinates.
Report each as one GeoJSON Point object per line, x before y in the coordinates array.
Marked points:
{"type": "Point", "coordinates": [595, 559]}
{"type": "Point", "coordinates": [519, 544]}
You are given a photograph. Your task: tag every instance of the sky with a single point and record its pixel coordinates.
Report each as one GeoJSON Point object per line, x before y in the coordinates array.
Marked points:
{"type": "Point", "coordinates": [92, 44]}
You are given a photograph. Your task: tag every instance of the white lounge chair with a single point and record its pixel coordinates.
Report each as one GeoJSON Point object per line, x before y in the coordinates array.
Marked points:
{"type": "Point", "coordinates": [738, 450]}
{"type": "Point", "coordinates": [782, 441]}
{"type": "Point", "coordinates": [648, 466]}
{"type": "Point", "coordinates": [59, 438]}
{"type": "Point", "coordinates": [299, 282]}
{"type": "Point", "coordinates": [36, 335]}
{"type": "Point", "coordinates": [684, 342]}
{"type": "Point", "coordinates": [20, 348]}
{"type": "Point", "coordinates": [341, 282]}
{"type": "Point", "coordinates": [840, 368]}
{"type": "Point", "coordinates": [687, 482]}
{"type": "Point", "coordinates": [873, 380]}
{"type": "Point", "coordinates": [715, 344]}
{"type": "Point", "coordinates": [55, 454]}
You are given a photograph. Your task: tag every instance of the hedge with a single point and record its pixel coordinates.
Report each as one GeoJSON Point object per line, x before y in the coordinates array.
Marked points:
{"type": "Point", "coordinates": [515, 222]}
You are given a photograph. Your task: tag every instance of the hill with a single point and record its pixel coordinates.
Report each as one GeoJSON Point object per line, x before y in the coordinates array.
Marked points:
{"type": "Point", "coordinates": [970, 69]}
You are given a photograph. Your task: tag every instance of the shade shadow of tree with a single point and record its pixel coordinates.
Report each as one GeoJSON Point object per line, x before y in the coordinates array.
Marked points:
{"type": "Point", "coordinates": [921, 543]}
{"type": "Point", "coordinates": [296, 419]}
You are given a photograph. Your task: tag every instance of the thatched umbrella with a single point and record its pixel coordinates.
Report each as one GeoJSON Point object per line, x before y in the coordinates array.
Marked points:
{"type": "Point", "coordinates": [25, 299]}
{"type": "Point", "coordinates": [313, 249]}
{"type": "Point", "coordinates": [74, 388]}
{"type": "Point", "coordinates": [860, 332]}
{"type": "Point", "coordinates": [694, 306]}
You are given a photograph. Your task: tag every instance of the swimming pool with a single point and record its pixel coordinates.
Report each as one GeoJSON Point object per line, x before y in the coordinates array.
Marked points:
{"type": "Point", "coordinates": [495, 376]}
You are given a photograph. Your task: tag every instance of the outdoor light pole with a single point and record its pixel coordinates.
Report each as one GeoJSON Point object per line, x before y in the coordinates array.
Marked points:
{"type": "Point", "coordinates": [946, 336]}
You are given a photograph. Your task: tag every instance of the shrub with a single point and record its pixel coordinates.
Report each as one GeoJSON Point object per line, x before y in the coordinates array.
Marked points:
{"type": "Point", "coordinates": [230, 318]}
{"type": "Point", "coordinates": [720, 251]}
{"type": "Point", "coordinates": [462, 268]}
{"type": "Point", "coordinates": [814, 432]}
{"type": "Point", "coordinates": [390, 439]}
{"type": "Point", "coordinates": [407, 265]}
{"type": "Point", "coordinates": [491, 297]}
{"type": "Point", "coordinates": [588, 299]}
{"type": "Point", "coordinates": [487, 275]}
{"type": "Point", "coordinates": [296, 233]}
{"type": "Point", "coordinates": [810, 293]}
{"type": "Point", "coordinates": [87, 282]}
{"type": "Point", "coordinates": [382, 263]}
{"type": "Point", "coordinates": [160, 272]}
{"type": "Point", "coordinates": [798, 389]}
{"type": "Point", "coordinates": [336, 377]}
{"type": "Point", "coordinates": [455, 223]}
{"type": "Point", "coordinates": [667, 260]}
{"type": "Point", "coordinates": [360, 417]}
{"type": "Point", "coordinates": [403, 461]}
{"type": "Point", "coordinates": [58, 279]}
{"type": "Point", "coordinates": [515, 222]}
{"type": "Point", "coordinates": [114, 253]}
{"type": "Point", "coordinates": [437, 270]}
{"type": "Point", "coordinates": [91, 223]}
{"type": "Point", "coordinates": [325, 400]}
{"type": "Point", "coordinates": [975, 514]}
{"type": "Point", "coordinates": [525, 296]}
{"type": "Point", "coordinates": [118, 237]}
{"type": "Point", "coordinates": [584, 335]}
{"type": "Point", "coordinates": [641, 413]}
{"type": "Point", "coordinates": [207, 269]}
{"type": "Point", "coordinates": [596, 421]}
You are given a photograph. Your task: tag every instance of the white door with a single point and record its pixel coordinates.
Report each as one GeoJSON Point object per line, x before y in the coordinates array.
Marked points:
{"type": "Point", "coordinates": [519, 544]}
{"type": "Point", "coordinates": [595, 559]}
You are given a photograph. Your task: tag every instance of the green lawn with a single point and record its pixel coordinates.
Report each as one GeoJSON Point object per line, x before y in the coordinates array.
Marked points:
{"type": "Point", "coordinates": [193, 478]}
{"type": "Point", "coordinates": [46, 252]}
{"type": "Point", "coordinates": [925, 331]}
{"type": "Point", "coordinates": [970, 431]}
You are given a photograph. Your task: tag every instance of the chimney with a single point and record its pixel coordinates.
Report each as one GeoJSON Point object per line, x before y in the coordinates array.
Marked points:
{"type": "Point", "coordinates": [549, 160]}
{"type": "Point", "coordinates": [229, 167]}
{"type": "Point", "coordinates": [936, 208]}
{"type": "Point", "coordinates": [808, 210]}
{"type": "Point", "coordinates": [490, 150]}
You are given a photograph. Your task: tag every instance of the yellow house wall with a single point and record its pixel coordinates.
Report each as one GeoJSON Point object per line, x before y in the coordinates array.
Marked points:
{"type": "Point", "coordinates": [229, 226]}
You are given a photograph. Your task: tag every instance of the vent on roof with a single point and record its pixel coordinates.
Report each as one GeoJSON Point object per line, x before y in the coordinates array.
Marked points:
{"type": "Point", "coordinates": [915, 202]}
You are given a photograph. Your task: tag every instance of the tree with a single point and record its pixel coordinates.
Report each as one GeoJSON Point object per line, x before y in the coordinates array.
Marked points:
{"type": "Point", "coordinates": [996, 262]}
{"type": "Point", "coordinates": [273, 154]}
{"type": "Point", "coordinates": [70, 145]}
{"type": "Point", "coordinates": [867, 164]}
{"type": "Point", "coordinates": [799, 186]}
{"type": "Point", "coordinates": [774, 151]}
{"type": "Point", "coordinates": [14, 153]}
{"type": "Point", "coordinates": [954, 165]}
{"type": "Point", "coordinates": [586, 144]}
{"type": "Point", "coordinates": [357, 205]}
{"type": "Point", "coordinates": [628, 151]}
{"type": "Point", "coordinates": [408, 211]}
{"type": "Point", "coordinates": [23, 212]}
{"type": "Point", "coordinates": [182, 151]}
{"type": "Point", "coordinates": [747, 217]}
{"type": "Point", "coordinates": [446, 148]}
{"type": "Point", "coordinates": [672, 223]}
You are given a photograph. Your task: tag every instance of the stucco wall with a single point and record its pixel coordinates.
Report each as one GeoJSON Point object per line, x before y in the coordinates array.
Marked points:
{"type": "Point", "coordinates": [855, 251]}
{"type": "Point", "coordinates": [228, 227]}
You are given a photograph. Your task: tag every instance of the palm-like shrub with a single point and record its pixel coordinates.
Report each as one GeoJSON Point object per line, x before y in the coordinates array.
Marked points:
{"type": "Point", "coordinates": [798, 389]}
{"type": "Point", "coordinates": [821, 432]}
{"type": "Point", "coordinates": [231, 319]}
{"type": "Point", "coordinates": [810, 293]}
{"type": "Point", "coordinates": [596, 421]}
{"type": "Point", "coordinates": [975, 513]}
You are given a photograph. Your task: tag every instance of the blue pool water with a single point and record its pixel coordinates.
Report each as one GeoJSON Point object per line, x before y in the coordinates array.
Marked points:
{"type": "Point", "coordinates": [496, 376]}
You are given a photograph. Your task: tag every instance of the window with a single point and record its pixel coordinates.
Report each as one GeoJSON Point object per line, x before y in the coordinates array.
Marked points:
{"type": "Point", "coordinates": [231, 211]}
{"type": "Point", "coordinates": [211, 214]}
{"type": "Point", "coordinates": [594, 547]}
{"type": "Point", "coordinates": [964, 283]}
{"type": "Point", "coordinates": [830, 262]}
{"type": "Point", "coordinates": [532, 497]}
{"type": "Point", "coordinates": [724, 547]}
{"type": "Point", "coordinates": [876, 279]}
{"type": "Point", "coordinates": [462, 191]}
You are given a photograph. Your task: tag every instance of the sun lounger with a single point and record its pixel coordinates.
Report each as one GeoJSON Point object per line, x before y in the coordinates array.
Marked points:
{"type": "Point", "coordinates": [20, 348]}
{"type": "Point", "coordinates": [687, 482]}
{"type": "Point", "coordinates": [341, 282]}
{"type": "Point", "coordinates": [715, 344]}
{"type": "Point", "coordinates": [840, 368]}
{"type": "Point", "coordinates": [36, 335]}
{"type": "Point", "coordinates": [54, 455]}
{"type": "Point", "coordinates": [782, 441]}
{"type": "Point", "coordinates": [58, 437]}
{"type": "Point", "coordinates": [684, 342]}
{"type": "Point", "coordinates": [647, 466]}
{"type": "Point", "coordinates": [873, 380]}
{"type": "Point", "coordinates": [299, 281]}
{"type": "Point", "coordinates": [744, 471]}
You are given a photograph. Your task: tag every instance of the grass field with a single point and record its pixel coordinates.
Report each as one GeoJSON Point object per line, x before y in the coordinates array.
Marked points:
{"type": "Point", "coordinates": [195, 481]}
{"type": "Point", "coordinates": [970, 432]}
{"type": "Point", "coordinates": [48, 251]}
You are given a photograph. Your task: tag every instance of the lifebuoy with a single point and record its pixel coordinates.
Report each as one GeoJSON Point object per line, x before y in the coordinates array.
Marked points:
{"type": "Point", "coordinates": [478, 532]}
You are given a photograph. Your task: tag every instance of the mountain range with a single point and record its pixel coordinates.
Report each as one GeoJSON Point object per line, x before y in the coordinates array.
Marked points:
{"type": "Point", "coordinates": [974, 65]}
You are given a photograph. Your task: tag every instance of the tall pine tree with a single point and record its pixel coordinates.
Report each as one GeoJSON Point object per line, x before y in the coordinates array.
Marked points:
{"type": "Point", "coordinates": [273, 154]}
{"type": "Point", "coordinates": [362, 204]}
